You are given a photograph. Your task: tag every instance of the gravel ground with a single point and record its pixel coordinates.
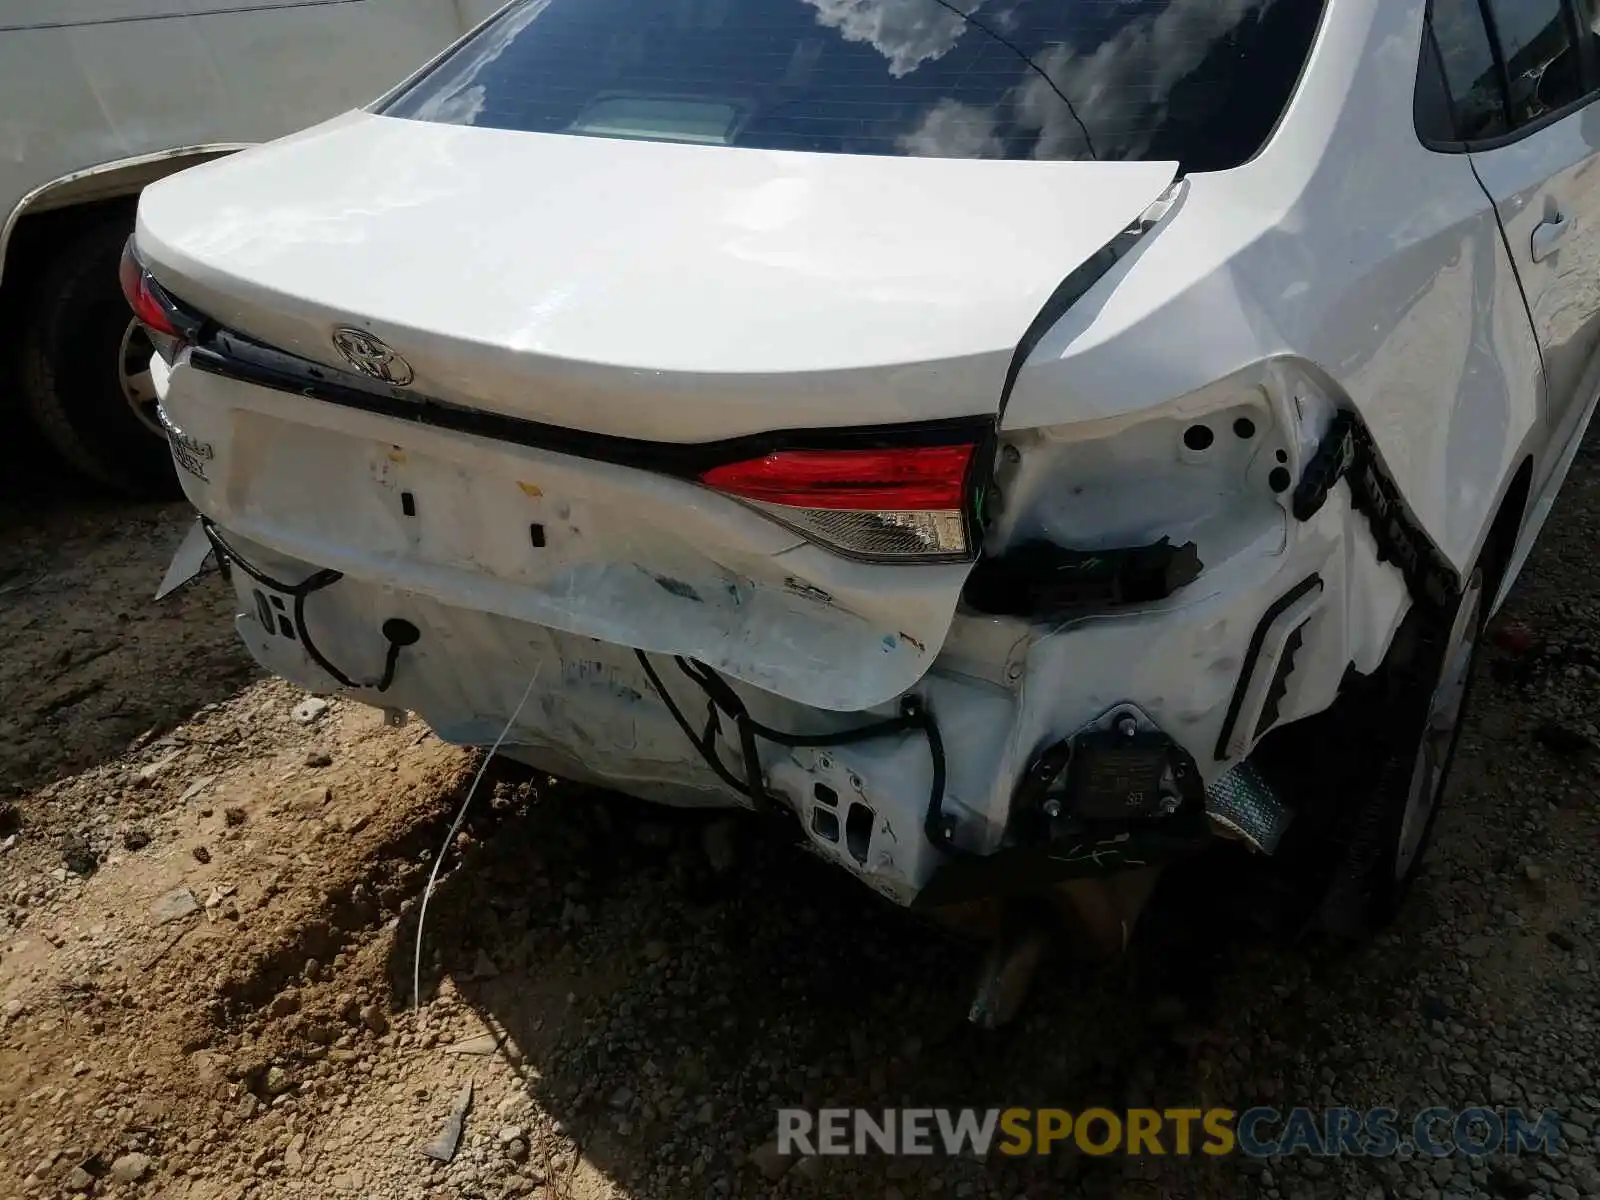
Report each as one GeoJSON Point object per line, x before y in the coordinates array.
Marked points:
{"type": "Point", "coordinates": [208, 904]}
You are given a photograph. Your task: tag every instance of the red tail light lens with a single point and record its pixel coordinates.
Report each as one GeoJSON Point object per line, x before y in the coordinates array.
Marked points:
{"type": "Point", "coordinates": [859, 480]}
{"type": "Point", "coordinates": [142, 297]}
{"type": "Point", "coordinates": [904, 504]}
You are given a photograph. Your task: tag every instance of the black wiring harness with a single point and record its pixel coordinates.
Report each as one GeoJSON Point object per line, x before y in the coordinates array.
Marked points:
{"type": "Point", "coordinates": [723, 701]}
{"type": "Point", "coordinates": [399, 633]}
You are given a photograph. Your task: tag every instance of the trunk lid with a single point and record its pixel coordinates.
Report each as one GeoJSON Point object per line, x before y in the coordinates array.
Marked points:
{"type": "Point", "coordinates": [652, 292]}
{"type": "Point", "coordinates": [643, 289]}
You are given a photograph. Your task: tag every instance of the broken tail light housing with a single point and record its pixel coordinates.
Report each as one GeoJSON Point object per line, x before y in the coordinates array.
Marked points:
{"type": "Point", "coordinates": [909, 504]}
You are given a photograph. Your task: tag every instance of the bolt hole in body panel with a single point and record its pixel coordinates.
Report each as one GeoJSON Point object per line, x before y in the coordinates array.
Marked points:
{"type": "Point", "coordinates": [1166, 475]}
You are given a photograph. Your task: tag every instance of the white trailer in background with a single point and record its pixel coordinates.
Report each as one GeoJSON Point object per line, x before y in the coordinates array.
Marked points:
{"type": "Point", "coordinates": [99, 98]}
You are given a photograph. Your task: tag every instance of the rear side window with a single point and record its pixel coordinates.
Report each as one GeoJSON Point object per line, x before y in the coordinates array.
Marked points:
{"type": "Point", "coordinates": [1198, 81]}
{"type": "Point", "coordinates": [1461, 52]}
{"type": "Point", "coordinates": [1543, 70]}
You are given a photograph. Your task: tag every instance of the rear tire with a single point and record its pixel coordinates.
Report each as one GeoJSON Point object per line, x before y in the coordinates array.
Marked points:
{"type": "Point", "coordinates": [85, 365]}
{"type": "Point", "coordinates": [1367, 779]}
{"type": "Point", "coordinates": [1381, 851]}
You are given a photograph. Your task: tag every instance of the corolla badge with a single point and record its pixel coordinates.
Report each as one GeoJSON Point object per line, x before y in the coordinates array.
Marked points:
{"type": "Point", "coordinates": [372, 356]}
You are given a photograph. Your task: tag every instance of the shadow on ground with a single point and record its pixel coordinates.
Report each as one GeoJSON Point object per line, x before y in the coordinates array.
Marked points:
{"type": "Point", "coordinates": [90, 661]}
{"type": "Point", "coordinates": [663, 1013]}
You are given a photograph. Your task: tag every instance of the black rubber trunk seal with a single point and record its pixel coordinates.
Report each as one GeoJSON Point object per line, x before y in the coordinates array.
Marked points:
{"type": "Point", "coordinates": [230, 356]}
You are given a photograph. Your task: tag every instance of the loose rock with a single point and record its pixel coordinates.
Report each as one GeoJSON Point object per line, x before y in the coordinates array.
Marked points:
{"type": "Point", "coordinates": [174, 906]}
{"type": "Point", "coordinates": [277, 1081]}
{"type": "Point", "coordinates": [310, 709]}
{"type": "Point", "coordinates": [78, 855]}
{"type": "Point", "coordinates": [130, 1168]}
{"type": "Point", "coordinates": [443, 1148]}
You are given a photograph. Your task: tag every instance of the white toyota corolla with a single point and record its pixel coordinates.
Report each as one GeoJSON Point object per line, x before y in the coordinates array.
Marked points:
{"type": "Point", "coordinates": [1015, 440]}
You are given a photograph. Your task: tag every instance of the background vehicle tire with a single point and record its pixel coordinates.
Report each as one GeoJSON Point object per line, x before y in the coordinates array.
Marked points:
{"type": "Point", "coordinates": [85, 363]}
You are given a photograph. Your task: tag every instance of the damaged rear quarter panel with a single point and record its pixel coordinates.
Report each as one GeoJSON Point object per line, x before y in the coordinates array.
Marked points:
{"type": "Point", "coordinates": [1370, 266]}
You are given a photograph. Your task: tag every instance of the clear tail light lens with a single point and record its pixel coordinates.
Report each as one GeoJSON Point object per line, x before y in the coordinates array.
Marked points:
{"type": "Point", "coordinates": [906, 504]}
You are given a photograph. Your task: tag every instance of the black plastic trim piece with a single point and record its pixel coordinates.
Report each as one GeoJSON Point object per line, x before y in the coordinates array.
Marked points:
{"type": "Point", "coordinates": [1333, 458]}
{"type": "Point", "coordinates": [1348, 452]}
{"type": "Point", "coordinates": [1067, 293]}
{"type": "Point", "coordinates": [1258, 638]}
{"type": "Point", "coordinates": [1279, 687]}
{"type": "Point", "coordinates": [1040, 579]}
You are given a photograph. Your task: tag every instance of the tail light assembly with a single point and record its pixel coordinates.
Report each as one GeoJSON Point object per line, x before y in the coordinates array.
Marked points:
{"type": "Point", "coordinates": [163, 317]}
{"type": "Point", "coordinates": [911, 504]}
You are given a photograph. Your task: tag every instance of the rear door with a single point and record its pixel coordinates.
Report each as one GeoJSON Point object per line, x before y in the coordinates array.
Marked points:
{"type": "Point", "coordinates": [1541, 167]}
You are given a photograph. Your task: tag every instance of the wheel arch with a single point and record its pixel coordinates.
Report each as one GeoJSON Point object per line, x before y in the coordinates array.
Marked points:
{"type": "Point", "coordinates": [97, 188]}
{"type": "Point", "coordinates": [1502, 540]}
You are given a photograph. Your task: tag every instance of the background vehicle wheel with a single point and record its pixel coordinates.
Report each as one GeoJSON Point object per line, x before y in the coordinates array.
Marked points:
{"type": "Point", "coordinates": [85, 368]}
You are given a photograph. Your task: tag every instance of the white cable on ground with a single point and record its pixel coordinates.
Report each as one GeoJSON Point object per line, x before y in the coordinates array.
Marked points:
{"type": "Point", "coordinates": [449, 838]}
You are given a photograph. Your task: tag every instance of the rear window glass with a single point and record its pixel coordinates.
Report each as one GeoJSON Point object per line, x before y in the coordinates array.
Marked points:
{"type": "Point", "coordinates": [1200, 81]}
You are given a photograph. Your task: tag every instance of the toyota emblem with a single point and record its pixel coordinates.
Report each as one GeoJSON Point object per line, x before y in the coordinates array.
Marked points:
{"type": "Point", "coordinates": [372, 356]}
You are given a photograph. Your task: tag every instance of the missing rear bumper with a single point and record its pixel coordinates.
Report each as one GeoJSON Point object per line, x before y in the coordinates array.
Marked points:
{"type": "Point", "coordinates": [924, 807]}
{"type": "Point", "coordinates": [1118, 796]}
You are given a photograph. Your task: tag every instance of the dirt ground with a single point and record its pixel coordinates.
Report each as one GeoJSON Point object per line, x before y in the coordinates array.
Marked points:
{"type": "Point", "coordinates": [208, 903]}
